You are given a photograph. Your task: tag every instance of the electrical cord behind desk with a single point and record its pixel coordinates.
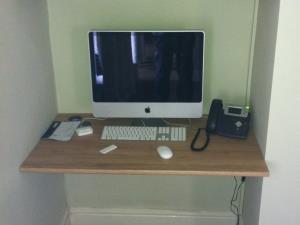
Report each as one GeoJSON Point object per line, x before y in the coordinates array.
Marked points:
{"type": "Point", "coordinates": [235, 200]}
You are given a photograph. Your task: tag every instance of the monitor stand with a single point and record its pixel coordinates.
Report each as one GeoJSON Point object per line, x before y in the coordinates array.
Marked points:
{"type": "Point", "coordinates": [148, 122]}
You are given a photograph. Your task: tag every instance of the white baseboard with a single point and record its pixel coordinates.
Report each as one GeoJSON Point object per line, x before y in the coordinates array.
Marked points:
{"type": "Point", "coordinates": [87, 216]}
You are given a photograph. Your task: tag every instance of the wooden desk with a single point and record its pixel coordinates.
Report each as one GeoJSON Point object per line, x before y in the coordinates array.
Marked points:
{"type": "Point", "coordinates": [223, 157]}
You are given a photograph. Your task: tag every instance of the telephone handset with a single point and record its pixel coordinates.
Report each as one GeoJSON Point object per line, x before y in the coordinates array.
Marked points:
{"type": "Point", "coordinates": [228, 121]}
{"type": "Point", "coordinates": [215, 109]}
{"type": "Point", "coordinates": [214, 112]}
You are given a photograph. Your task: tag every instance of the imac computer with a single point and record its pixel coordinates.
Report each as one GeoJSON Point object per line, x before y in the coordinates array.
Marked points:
{"type": "Point", "coordinates": [147, 74]}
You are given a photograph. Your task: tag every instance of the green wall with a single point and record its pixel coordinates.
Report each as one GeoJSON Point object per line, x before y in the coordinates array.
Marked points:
{"type": "Point", "coordinates": [227, 23]}
{"type": "Point", "coordinates": [186, 193]}
{"type": "Point", "coordinates": [228, 26]}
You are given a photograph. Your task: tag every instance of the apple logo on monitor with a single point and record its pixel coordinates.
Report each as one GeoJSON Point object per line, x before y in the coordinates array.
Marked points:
{"type": "Point", "coordinates": [147, 109]}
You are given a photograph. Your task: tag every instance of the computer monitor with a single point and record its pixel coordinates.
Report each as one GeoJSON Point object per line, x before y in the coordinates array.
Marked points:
{"type": "Point", "coordinates": [147, 74]}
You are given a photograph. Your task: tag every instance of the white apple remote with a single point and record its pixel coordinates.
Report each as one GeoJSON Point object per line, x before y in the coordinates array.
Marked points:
{"type": "Point", "coordinates": [108, 149]}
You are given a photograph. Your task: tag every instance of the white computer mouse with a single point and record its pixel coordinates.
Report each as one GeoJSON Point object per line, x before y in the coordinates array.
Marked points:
{"type": "Point", "coordinates": [164, 152]}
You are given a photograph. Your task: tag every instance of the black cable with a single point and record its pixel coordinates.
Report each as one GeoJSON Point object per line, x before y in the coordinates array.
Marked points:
{"type": "Point", "coordinates": [233, 207]}
{"type": "Point", "coordinates": [202, 148]}
{"type": "Point", "coordinates": [233, 203]}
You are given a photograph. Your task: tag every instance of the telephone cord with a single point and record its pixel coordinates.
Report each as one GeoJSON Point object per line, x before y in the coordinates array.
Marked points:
{"type": "Point", "coordinates": [204, 146]}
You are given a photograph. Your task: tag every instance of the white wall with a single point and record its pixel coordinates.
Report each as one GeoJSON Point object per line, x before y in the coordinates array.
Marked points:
{"type": "Point", "coordinates": [263, 63]}
{"type": "Point", "coordinates": [278, 127]}
{"type": "Point", "coordinates": [261, 87]}
{"type": "Point", "coordinates": [280, 200]}
{"type": "Point", "coordinates": [27, 105]}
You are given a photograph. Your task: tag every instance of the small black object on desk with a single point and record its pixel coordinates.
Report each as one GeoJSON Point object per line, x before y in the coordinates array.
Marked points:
{"type": "Point", "coordinates": [75, 118]}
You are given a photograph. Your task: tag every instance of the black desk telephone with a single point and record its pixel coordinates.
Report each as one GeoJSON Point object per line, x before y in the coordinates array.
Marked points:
{"type": "Point", "coordinates": [230, 121]}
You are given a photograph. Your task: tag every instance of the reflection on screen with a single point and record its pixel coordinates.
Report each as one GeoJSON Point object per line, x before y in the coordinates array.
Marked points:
{"type": "Point", "coordinates": [147, 66]}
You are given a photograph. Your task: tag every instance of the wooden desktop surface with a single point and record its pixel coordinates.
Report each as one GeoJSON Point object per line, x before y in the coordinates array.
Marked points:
{"type": "Point", "coordinates": [223, 157]}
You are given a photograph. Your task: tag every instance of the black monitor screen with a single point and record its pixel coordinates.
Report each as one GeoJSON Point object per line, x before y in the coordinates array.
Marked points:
{"type": "Point", "coordinates": [147, 66]}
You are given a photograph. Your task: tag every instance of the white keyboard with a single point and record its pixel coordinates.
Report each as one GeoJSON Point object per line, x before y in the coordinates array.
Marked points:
{"type": "Point", "coordinates": [143, 133]}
